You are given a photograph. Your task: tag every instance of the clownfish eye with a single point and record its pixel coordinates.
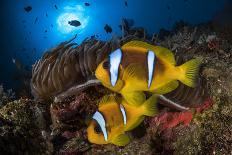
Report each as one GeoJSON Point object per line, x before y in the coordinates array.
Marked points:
{"type": "Point", "coordinates": [97, 129]}
{"type": "Point", "coordinates": [106, 64]}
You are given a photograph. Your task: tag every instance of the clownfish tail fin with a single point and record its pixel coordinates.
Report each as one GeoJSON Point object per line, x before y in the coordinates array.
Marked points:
{"type": "Point", "coordinates": [189, 72]}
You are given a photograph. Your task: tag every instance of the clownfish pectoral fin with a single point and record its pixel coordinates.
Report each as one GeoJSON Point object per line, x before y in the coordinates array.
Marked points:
{"type": "Point", "coordinates": [132, 71]}
{"type": "Point", "coordinates": [135, 98]}
{"type": "Point", "coordinates": [162, 53]}
{"type": "Point", "coordinates": [137, 122]}
{"type": "Point", "coordinates": [107, 99]}
{"type": "Point", "coordinates": [121, 140]}
{"type": "Point", "coordinates": [189, 72]}
{"type": "Point", "coordinates": [170, 86]}
{"type": "Point", "coordinates": [150, 106]}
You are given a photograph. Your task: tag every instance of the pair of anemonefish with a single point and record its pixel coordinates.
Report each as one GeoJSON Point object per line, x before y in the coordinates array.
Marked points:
{"type": "Point", "coordinates": [135, 68]}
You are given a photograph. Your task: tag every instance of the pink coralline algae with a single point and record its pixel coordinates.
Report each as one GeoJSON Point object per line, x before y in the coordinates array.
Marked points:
{"type": "Point", "coordinates": [168, 120]}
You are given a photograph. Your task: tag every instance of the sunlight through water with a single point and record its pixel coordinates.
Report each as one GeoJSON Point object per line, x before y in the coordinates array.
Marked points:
{"type": "Point", "coordinates": [76, 12]}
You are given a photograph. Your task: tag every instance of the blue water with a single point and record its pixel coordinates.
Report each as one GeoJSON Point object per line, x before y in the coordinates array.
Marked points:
{"type": "Point", "coordinates": [25, 40]}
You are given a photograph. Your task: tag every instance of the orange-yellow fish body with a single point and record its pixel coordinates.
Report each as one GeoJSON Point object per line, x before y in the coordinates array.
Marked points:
{"type": "Point", "coordinates": [139, 66]}
{"type": "Point", "coordinates": [114, 117]}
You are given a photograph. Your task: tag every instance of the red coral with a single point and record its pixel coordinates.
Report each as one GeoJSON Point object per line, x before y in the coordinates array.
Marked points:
{"type": "Point", "coordinates": [167, 120]}
{"type": "Point", "coordinates": [207, 103]}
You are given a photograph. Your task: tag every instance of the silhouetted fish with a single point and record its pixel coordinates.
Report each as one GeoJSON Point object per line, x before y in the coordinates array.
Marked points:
{"type": "Point", "coordinates": [18, 63]}
{"type": "Point", "coordinates": [36, 20]}
{"type": "Point", "coordinates": [87, 4]}
{"type": "Point", "coordinates": [126, 4]}
{"type": "Point", "coordinates": [107, 28]}
{"type": "Point", "coordinates": [56, 7]}
{"type": "Point", "coordinates": [75, 23]}
{"type": "Point", "coordinates": [46, 15]}
{"type": "Point", "coordinates": [28, 8]}
{"type": "Point", "coordinates": [126, 23]}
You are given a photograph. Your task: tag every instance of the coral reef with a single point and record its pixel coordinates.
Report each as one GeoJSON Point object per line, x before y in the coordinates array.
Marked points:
{"type": "Point", "coordinates": [60, 127]}
{"type": "Point", "coordinates": [6, 96]}
{"type": "Point", "coordinates": [24, 128]}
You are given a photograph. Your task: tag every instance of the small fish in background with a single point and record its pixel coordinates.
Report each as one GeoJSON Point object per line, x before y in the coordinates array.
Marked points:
{"type": "Point", "coordinates": [87, 4]}
{"type": "Point", "coordinates": [51, 25]}
{"type": "Point", "coordinates": [46, 14]}
{"type": "Point", "coordinates": [46, 31]}
{"type": "Point", "coordinates": [126, 23]}
{"type": "Point", "coordinates": [94, 36]}
{"type": "Point", "coordinates": [126, 3]}
{"type": "Point", "coordinates": [115, 116]}
{"type": "Point", "coordinates": [36, 20]}
{"type": "Point", "coordinates": [56, 7]}
{"type": "Point", "coordinates": [107, 28]}
{"type": "Point", "coordinates": [168, 7]}
{"type": "Point", "coordinates": [17, 63]}
{"type": "Point", "coordinates": [34, 51]}
{"type": "Point", "coordinates": [75, 23]}
{"type": "Point", "coordinates": [28, 8]}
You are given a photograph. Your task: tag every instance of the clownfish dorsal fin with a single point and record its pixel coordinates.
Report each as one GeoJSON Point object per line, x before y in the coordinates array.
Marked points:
{"type": "Point", "coordinates": [121, 140]}
{"type": "Point", "coordinates": [162, 53]}
{"type": "Point", "coordinates": [107, 99]}
{"type": "Point", "coordinates": [132, 71]}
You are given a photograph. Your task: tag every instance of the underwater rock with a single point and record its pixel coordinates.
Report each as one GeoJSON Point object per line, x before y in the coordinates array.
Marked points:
{"type": "Point", "coordinates": [24, 128]}
{"type": "Point", "coordinates": [70, 120]}
{"type": "Point", "coordinates": [6, 96]}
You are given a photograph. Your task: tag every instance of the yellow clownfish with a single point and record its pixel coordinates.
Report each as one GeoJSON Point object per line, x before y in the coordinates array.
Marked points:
{"type": "Point", "coordinates": [138, 66]}
{"type": "Point", "coordinates": [114, 117]}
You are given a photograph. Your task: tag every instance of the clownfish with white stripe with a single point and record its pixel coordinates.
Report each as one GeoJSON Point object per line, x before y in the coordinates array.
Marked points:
{"type": "Point", "coordinates": [139, 67]}
{"type": "Point", "coordinates": [115, 116]}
